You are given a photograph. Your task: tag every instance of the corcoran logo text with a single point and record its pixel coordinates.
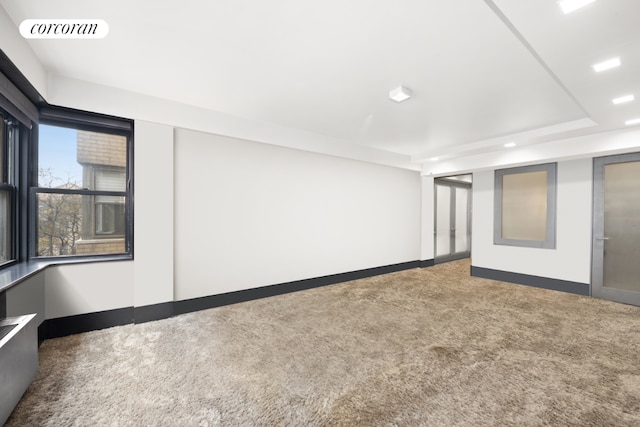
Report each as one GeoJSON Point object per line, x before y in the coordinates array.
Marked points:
{"type": "Point", "coordinates": [64, 29]}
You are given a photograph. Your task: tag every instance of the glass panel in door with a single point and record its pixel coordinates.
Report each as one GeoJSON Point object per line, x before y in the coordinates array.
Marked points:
{"type": "Point", "coordinates": [443, 220]}
{"type": "Point", "coordinates": [462, 220]}
{"type": "Point", "coordinates": [622, 226]}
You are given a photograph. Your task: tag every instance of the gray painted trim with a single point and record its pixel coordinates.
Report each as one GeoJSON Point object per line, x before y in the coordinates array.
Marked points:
{"type": "Point", "coordinates": [528, 280]}
{"type": "Point", "coordinates": [550, 242]}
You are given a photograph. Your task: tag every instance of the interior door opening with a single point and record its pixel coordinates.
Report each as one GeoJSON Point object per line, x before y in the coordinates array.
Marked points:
{"type": "Point", "coordinates": [452, 234]}
{"type": "Point", "coordinates": [616, 228]}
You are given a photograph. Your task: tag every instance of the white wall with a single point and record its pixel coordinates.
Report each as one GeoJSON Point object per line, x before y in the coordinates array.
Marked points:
{"type": "Point", "coordinates": [428, 219]}
{"type": "Point", "coordinates": [21, 54]}
{"type": "Point", "coordinates": [153, 213]}
{"type": "Point", "coordinates": [87, 288]}
{"type": "Point", "coordinates": [571, 260]}
{"type": "Point", "coordinates": [246, 215]}
{"type": "Point", "coordinates": [250, 214]}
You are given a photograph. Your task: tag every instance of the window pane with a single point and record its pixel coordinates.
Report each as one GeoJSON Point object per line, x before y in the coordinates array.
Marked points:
{"type": "Point", "coordinates": [524, 206]}
{"type": "Point", "coordinates": [66, 226]}
{"type": "Point", "coordinates": [58, 165]}
{"type": "Point", "coordinates": [110, 180]}
{"type": "Point", "coordinates": [462, 220]}
{"type": "Point", "coordinates": [73, 224]}
{"type": "Point", "coordinates": [103, 158]}
{"type": "Point", "coordinates": [68, 158]}
{"type": "Point", "coordinates": [5, 226]}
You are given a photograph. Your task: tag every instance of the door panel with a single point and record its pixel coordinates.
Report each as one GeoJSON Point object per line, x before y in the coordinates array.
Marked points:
{"type": "Point", "coordinates": [452, 220]}
{"type": "Point", "coordinates": [616, 240]}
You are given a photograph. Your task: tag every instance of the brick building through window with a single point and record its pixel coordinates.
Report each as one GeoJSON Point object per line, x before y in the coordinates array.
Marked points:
{"type": "Point", "coordinates": [103, 158]}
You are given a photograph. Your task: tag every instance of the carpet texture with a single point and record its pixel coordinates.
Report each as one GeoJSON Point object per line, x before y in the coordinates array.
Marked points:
{"type": "Point", "coordinates": [420, 347]}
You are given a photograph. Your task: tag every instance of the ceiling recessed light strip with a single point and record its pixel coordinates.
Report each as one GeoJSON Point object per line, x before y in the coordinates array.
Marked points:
{"type": "Point", "coordinates": [569, 6]}
{"type": "Point", "coordinates": [633, 122]}
{"type": "Point", "coordinates": [510, 144]}
{"type": "Point", "coordinates": [623, 99]}
{"type": "Point", "coordinates": [605, 65]}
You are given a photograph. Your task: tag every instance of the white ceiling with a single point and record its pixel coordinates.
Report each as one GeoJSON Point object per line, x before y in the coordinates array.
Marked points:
{"type": "Point", "coordinates": [482, 72]}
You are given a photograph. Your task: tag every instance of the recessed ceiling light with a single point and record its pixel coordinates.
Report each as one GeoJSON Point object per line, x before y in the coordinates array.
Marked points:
{"type": "Point", "coordinates": [569, 6]}
{"type": "Point", "coordinates": [510, 144]}
{"type": "Point", "coordinates": [632, 122]}
{"type": "Point", "coordinates": [400, 94]}
{"type": "Point", "coordinates": [605, 65]}
{"type": "Point", "coordinates": [434, 159]}
{"type": "Point", "coordinates": [622, 99]}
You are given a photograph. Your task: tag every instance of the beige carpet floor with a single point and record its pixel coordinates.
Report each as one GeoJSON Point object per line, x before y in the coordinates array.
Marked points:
{"type": "Point", "coordinates": [419, 347]}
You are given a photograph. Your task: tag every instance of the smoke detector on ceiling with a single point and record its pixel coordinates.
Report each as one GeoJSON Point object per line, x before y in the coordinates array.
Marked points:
{"type": "Point", "coordinates": [400, 94]}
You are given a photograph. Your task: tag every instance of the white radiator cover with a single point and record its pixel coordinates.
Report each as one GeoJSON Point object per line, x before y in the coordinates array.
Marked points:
{"type": "Point", "coordinates": [18, 361]}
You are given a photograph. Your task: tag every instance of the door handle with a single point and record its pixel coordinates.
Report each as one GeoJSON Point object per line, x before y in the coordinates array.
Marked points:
{"type": "Point", "coordinates": [602, 238]}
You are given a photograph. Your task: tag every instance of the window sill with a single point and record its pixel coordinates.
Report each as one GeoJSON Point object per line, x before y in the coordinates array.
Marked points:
{"type": "Point", "coordinates": [16, 273]}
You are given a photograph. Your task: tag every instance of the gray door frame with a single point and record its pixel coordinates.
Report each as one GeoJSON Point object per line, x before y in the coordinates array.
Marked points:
{"type": "Point", "coordinates": [453, 185]}
{"type": "Point", "coordinates": [599, 240]}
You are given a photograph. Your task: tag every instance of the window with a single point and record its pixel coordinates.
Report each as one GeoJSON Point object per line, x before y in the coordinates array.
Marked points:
{"type": "Point", "coordinates": [525, 199]}
{"type": "Point", "coordinates": [65, 178]}
{"type": "Point", "coordinates": [6, 190]}
{"type": "Point", "coordinates": [12, 134]}
{"type": "Point", "coordinates": [82, 203]}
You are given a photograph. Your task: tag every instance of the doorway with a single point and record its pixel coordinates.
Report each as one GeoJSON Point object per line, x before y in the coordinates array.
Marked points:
{"type": "Point", "coordinates": [452, 234]}
{"type": "Point", "coordinates": [616, 228]}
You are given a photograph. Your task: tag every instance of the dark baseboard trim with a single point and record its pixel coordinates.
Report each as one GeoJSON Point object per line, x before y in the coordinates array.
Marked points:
{"type": "Point", "coordinates": [42, 332]}
{"type": "Point", "coordinates": [149, 313]}
{"type": "Point", "coordinates": [203, 303]}
{"type": "Point", "coordinates": [63, 326]}
{"type": "Point", "coordinates": [528, 280]}
{"type": "Point", "coordinates": [427, 263]}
